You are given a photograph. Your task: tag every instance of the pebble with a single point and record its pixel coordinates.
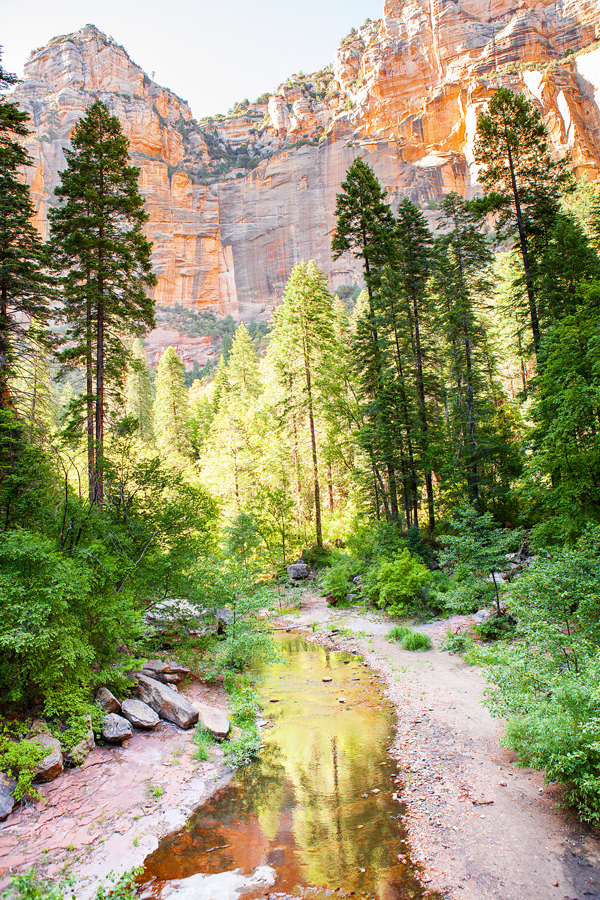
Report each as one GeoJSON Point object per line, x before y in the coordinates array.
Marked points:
{"type": "Point", "coordinates": [327, 678]}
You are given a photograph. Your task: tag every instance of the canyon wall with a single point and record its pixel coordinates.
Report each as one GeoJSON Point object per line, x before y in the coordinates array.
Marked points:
{"type": "Point", "coordinates": [236, 201]}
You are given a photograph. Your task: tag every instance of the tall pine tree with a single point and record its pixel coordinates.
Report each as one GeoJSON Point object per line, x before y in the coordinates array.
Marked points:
{"type": "Point", "coordinates": [25, 290]}
{"type": "Point", "coordinates": [104, 263]}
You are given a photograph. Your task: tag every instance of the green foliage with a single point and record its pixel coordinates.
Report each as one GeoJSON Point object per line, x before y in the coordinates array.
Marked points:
{"type": "Point", "coordinates": [546, 681]}
{"type": "Point", "coordinates": [242, 748]}
{"type": "Point", "coordinates": [414, 640]}
{"type": "Point", "coordinates": [19, 758]}
{"type": "Point", "coordinates": [120, 887]}
{"type": "Point", "coordinates": [398, 633]}
{"type": "Point", "coordinates": [456, 642]}
{"type": "Point", "coordinates": [336, 581]}
{"type": "Point", "coordinates": [397, 584]}
{"type": "Point", "coordinates": [203, 741]}
{"type": "Point", "coordinates": [475, 552]}
{"type": "Point", "coordinates": [30, 887]}
{"type": "Point", "coordinates": [495, 629]}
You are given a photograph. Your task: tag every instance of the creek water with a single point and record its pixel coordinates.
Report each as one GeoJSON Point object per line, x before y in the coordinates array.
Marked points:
{"type": "Point", "coordinates": [317, 814]}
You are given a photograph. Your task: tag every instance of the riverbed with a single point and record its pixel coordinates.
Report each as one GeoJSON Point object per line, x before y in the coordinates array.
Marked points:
{"type": "Point", "coordinates": [319, 811]}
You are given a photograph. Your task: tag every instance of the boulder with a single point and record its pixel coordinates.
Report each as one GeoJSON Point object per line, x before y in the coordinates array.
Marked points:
{"type": "Point", "coordinates": [167, 671]}
{"type": "Point", "coordinates": [51, 766]}
{"type": "Point", "coordinates": [106, 701]}
{"type": "Point", "coordinates": [214, 720]}
{"type": "Point", "coordinates": [224, 618]}
{"type": "Point", "coordinates": [7, 800]}
{"type": "Point", "coordinates": [78, 753]}
{"type": "Point", "coordinates": [139, 714]}
{"type": "Point", "coordinates": [298, 571]}
{"type": "Point", "coordinates": [166, 702]}
{"type": "Point", "coordinates": [482, 616]}
{"type": "Point", "coordinates": [115, 729]}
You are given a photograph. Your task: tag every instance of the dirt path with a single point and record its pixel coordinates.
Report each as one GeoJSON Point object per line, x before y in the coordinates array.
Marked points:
{"type": "Point", "coordinates": [481, 826]}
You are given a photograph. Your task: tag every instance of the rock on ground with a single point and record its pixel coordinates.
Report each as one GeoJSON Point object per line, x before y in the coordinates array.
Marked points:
{"type": "Point", "coordinates": [51, 765]}
{"type": "Point", "coordinates": [78, 753]}
{"type": "Point", "coordinates": [115, 729]}
{"type": "Point", "coordinates": [166, 702]}
{"type": "Point", "coordinates": [7, 800]}
{"type": "Point", "coordinates": [214, 720]}
{"type": "Point", "coordinates": [139, 714]}
{"type": "Point", "coordinates": [167, 671]}
{"type": "Point", "coordinates": [107, 702]}
{"type": "Point", "coordinates": [298, 571]}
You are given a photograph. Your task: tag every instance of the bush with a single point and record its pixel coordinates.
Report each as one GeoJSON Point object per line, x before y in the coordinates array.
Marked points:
{"type": "Point", "coordinates": [397, 584]}
{"type": "Point", "coordinates": [336, 581]}
{"type": "Point", "coordinates": [19, 758]}
{"type": "Point", "coordinates": [475, 551]}
{"type": "Point", "coordinates": [546, 681]}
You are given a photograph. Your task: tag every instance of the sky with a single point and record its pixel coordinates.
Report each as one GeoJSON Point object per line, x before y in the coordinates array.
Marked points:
{"type": "Point", "coordinates": [210, 52]}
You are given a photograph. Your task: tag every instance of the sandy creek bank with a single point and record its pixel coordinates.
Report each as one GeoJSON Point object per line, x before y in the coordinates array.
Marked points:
{"type": "Point", "coordinates": [109, 814]}
{"type": "Point", "coordinates": [479, 826]}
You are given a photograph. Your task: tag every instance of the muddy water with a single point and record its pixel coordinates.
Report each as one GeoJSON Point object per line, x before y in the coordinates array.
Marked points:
{"type": "Point", "coordinates": [315, 816]}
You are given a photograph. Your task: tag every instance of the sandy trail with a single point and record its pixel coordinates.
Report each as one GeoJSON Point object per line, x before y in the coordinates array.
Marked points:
{"type": "Point", "coordinates": [481, 826]}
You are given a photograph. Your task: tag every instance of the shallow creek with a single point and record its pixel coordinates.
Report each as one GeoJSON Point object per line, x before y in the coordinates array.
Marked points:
{"type": "Point", "coordinates": [316, 815]}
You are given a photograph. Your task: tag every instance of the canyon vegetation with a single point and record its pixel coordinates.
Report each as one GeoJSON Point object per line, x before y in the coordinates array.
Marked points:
{"type": "Point", "coordinates": [426, 437]}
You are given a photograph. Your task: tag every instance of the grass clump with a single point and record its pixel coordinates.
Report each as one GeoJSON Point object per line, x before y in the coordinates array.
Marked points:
{"type": "Point", "coordinates": [409, 639]}
{"type": "Point", "coordinates": [416, 641]}
{"type": "Point", "coordinates": [202, 739]}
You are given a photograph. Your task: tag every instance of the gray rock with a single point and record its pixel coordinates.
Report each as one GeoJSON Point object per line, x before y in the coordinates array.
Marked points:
{"type": "Point", "coordinates": [7, 800]}
{"type": "Point", "coordinates": [115, 729]}
{"type": "Point", "coordinates": [78, 753]}
{"type": "Point", "coordinates": [106, 701]}
{"type": "Point", "coordinates": [51, 766]}
{"type": "Point", "coordinates": [167, 671]}
{"type": "Point", "coordinates": [298, 571]}
{"type": "Point", "coordinates": [214, 720]}
{"type": "Point", "coordinates": [166, 702]}
{"type": "Point", "coordinates": [139, 714]}
{"type": "Point", "coordinates": [482, 616]}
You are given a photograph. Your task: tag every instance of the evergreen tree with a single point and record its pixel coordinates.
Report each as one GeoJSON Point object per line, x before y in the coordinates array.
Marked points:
{"type": "Point", "coordinates": [171, 406]}
{"type": "Point", "coordinates": [105, 266]}
{"type": "Point", "coordinates": [139, 390]}
{"type": "Point", "coordinates": [365, 226]}
{"type": "Point", "coordinates": [462, 282]}
{"type": "Point", "coordinates": [523, 184]}
{"type": "Point", "coordinates": [411, 266]}
{"type": "Point", "coordinates": [25, 290]}
{"type": "Point", "coordinates": [303, 335]}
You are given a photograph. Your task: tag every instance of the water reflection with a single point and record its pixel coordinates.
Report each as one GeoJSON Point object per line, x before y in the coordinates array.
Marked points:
{"type": "Point", "coordinates": [317, 807]}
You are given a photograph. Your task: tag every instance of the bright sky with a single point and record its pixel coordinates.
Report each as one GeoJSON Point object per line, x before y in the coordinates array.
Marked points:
{"type": "Point", "coordinates": [210, 52]}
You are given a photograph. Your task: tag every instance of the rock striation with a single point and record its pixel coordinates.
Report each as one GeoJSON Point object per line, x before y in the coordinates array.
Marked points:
{"type": "Point", "coordinates": [234, 202]}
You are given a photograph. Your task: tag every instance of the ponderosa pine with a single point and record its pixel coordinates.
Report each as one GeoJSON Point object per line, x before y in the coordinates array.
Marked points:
{"type": "Point", "coordinates": [104, 263]}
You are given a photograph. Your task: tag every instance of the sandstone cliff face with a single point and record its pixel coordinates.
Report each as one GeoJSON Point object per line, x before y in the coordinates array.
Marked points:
{"type": "Point", "coordinates": [235, 202]}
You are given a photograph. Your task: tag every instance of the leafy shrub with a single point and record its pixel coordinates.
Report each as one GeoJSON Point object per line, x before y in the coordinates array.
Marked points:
{"type": "Point", "coordinates": [30, 887]}
{"type": "Point", "coordinates": [242, 748]}
{"type": "Point", "coordinates": [19, 758]}
{"type": "Point", "coordinates": [495, 628]}
{"type": "Point", "coordinates": [415, 640]}
{"type": "Point", "coordinates": [546, 681]}
{"type": "Point", "coordinates": [397, 584]}
{"type": "Point", "coordinates": [336, 582]}
{"type": "Point", "coordinates": [475, 551]}
{"type": "Point", "coordinates": [456, 642]}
